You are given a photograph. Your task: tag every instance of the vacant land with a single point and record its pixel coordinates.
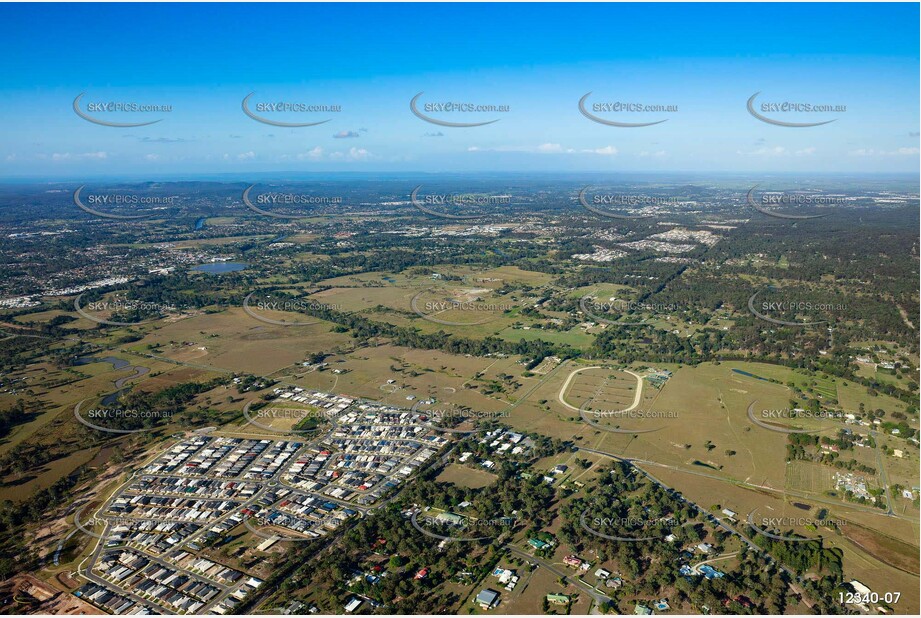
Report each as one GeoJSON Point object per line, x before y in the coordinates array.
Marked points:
{"type": "Point", "coordinates": [465, 476]}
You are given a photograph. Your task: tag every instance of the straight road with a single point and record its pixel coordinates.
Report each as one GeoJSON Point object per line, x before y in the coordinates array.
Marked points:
{"type": "Point", "coordinates": [598, 597]}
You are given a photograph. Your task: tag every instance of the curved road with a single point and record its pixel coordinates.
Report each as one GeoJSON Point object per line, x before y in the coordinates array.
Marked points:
{"type": "Point", "coordinates": [636, 398]}
{"type": "Point", "coordinates": [695, 568]}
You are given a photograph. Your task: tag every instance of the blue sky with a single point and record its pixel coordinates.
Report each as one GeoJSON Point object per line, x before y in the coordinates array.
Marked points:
{"type": "Point", "coordinates": [538, 60]}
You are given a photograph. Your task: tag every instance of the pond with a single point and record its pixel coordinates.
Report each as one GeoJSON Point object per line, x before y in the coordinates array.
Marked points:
{"type": "Point", "coordinates": [217, 268]}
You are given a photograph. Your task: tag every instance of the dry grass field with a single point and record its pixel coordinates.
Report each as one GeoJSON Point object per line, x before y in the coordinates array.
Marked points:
{"type": "Point", "coordinates": [234, 341]}
{"type": "Point", "coordinates": [465, 476]}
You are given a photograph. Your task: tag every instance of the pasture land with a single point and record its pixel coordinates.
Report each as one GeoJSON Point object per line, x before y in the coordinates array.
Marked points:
{"type": "Point", "coordinates": [464, 476]}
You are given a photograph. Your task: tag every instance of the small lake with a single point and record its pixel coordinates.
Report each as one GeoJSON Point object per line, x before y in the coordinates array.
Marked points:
{"type": "Point", "coordinates": [217, 268]}
{"type": "Point", "coordinates": [200, 223]}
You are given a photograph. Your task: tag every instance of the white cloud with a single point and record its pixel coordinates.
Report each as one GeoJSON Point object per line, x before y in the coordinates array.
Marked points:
{"type": "Point", "coordinates": [246, 156]}
{"type": "Point", "coordinates": [547, 148]}
{"type": "Point", "coordinates": [359, 153]}
{"type": "Point", "coordinates": [765, 151]}
{"type": "Point", "coordinates": [872, 152]}
{"type": "Point", "coordinates": [67, 156]}
{"type": "Point", "coordinates": [315, 153]}
{"type": "Point", "coordinates": [354, 154]}
{"type": "Point", "coordinates": [778, 151]}
{"type": "Point", "coordinates": [152, 157]}
{"type": "Point", "coordinates": [606, 151]}
{"type": "Point", "coordinates": [550, 148]}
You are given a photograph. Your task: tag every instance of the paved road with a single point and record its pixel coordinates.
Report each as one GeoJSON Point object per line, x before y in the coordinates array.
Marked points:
{"type": "Point", "coordinates": [101, 543]}
{"type": "Point", "coordinates": [705, 514]}
{"type": "Point", "coordinates": [57, 552]}
{"type": "Point", "coordinates": [882, 472]}
{"type": "Point", "coordinates": [598, 597]}
{"type": "Point", "coordinates": [785, 492]}
{"type": "Point", "coordinates": [275, 481]}
{"type": "Point", "coordinates": [708, 516]}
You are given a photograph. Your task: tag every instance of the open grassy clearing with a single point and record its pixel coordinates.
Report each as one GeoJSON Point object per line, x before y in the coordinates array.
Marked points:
{"type": "Point", "coordinates": [234, 341]}
{"type": "Point", "coordinates": [465, 476]}
{"type": "Point", "coordinates": [710, 430]}
{"type": "Point", "coordinates": [418, 374]}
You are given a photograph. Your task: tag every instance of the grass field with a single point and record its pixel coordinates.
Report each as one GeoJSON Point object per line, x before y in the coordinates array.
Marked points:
{"type": "Point", "coordinates": [488, 307]}
{"type": "Point", "coordinates": [465, 476]}
{"type": "Point", "coordinates": [419, 374]}
{"type": "Point", "coordinates": [601, 389]}
{"type": "Point", "coordinates": [234, 341]}
{"type": "Point", "coordinates": [528, 596]}
{"type": "Point", "coordinates": [705, 445]}
{"type": "Point", "coordinates": [708, 404]}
